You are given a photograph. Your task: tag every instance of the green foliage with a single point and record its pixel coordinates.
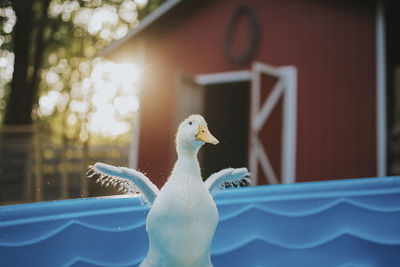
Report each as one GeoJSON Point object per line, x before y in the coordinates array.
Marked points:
{"type": "Point", "coordinates": [73, 33]}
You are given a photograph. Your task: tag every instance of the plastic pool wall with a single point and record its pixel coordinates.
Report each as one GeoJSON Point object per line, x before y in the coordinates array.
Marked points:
{"type": "Point", "coordinates": [336, 223]}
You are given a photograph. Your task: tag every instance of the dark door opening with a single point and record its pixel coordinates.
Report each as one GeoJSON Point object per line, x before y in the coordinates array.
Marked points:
{"type": "Point", "coordinates": [392, 14]}
{"type": "Point", "coordinates": [226, 110]}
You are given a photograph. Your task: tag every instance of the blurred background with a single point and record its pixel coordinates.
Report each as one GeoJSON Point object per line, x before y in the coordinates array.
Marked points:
{"type": "Point", "coordinates": [295, 90]}
{"type": "Point", "coordinates": [63, 107]}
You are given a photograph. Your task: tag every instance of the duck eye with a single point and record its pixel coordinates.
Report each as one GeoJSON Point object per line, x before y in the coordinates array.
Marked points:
{"type": "Point", "coordinates": [190, 123]}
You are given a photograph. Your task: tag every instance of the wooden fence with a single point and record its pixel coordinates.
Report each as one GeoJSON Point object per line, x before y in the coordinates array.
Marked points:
{"type": "Point", "coordinates": [33, 168]}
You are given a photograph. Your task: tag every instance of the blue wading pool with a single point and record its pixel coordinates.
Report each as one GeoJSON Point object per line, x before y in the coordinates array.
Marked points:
{"type": "Point", "coordinates": [335, 223]}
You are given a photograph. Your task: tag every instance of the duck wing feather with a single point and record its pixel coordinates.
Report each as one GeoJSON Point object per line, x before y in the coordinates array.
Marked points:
{"type": "Point", "coordinates": [229, 177]}
{"type": "Point", "coordinates": [129, 181]}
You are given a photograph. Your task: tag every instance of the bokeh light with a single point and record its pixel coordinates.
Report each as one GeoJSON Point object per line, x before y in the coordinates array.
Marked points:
{"type": "Point", "coordinates": [115, 98]}
{"type": "Point", "coordinates": [108, 97]}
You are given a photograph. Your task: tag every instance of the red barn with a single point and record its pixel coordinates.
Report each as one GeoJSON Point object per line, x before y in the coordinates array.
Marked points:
{"type": "Point", "coordinates": [294, 89]}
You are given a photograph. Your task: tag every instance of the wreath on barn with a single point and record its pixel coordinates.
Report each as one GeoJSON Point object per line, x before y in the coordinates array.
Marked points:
{"type": "Point", "coordinates": [248, 53]}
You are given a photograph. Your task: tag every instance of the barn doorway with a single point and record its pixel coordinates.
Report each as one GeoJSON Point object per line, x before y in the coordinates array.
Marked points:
{"type": "Point", "coordinates": [226, 109]}
{"type": "Point", "coordinates": [252, 112]}
{"type": "Point", "coordinates": [223, 99]}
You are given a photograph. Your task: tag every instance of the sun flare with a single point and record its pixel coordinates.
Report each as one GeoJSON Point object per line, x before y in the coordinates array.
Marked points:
{"type": "Point", "coordinates": [108, 98]}
{"type": "Point", "coordinates": [114, 99]}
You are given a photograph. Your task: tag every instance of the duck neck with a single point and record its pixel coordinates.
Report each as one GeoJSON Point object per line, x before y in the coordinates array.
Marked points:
{"type": "Point", "coordinates": [187, 159]}
{"type": "Point", "coordinates": [187, 152]}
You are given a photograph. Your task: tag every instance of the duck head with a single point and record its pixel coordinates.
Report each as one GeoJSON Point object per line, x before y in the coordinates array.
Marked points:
{"type": "Point", "coordinates": [193, 133]}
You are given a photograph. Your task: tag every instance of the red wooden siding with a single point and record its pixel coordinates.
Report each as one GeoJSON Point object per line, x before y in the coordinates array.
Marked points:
{"type": "Point", "coordinates": [332, 45]}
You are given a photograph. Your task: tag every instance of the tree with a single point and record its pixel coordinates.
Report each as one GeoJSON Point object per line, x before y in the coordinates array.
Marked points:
{"type": "Point", "coordinates": [51, 26]}
{"type": "Point", "coordinates": [23, 88]}
{"type": "Point", "coordinates": [54, 45]}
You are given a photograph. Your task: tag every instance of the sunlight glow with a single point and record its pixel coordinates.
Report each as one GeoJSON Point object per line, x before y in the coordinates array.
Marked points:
{"type": "Point", "coordinates": [3, 62]}
{"type": "Point", "coordinates": [9, 19]}
{"type": "Point", "coordinates": [114, 99]}
{"type": "Point", "coordinates": [72, 119]}
{"type": "Point", "coordinates": [126, 105]}
{"type": "Point", "coordinates": [52, 77]}
{"type": "Point", "coordinates": [106, 20]}
{"type": "Point", "coordinates": [108, 98]}
{"type": "Point", "coordinates": [6, 67]}
{"type": "Point", "coordinates": [48, 102]}
{"type": "Point", "coordinates": [128, 11]}
{"type": "Point", "coordinates": [141, 3]}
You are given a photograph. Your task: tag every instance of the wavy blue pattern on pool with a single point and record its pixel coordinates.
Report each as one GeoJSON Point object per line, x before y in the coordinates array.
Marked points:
{"type": "Point", "coordinates": [336, 223]}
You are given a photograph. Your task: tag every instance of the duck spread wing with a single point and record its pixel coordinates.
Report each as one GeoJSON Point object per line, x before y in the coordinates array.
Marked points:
{"type": "Point", "coordinates": [227, 178]}
{"type": "Point", "coordinates": [129, 181]}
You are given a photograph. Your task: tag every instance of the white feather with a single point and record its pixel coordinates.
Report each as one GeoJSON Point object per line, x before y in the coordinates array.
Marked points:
{"type": "Point", "coordinates": [227, 177]}
{"type": "Point", "coordinates": [129, 181]}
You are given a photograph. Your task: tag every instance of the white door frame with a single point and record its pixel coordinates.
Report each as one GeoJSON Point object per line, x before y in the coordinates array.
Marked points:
{"type": "Point", "coordinates": [381, 132]}
{"type": "Point", "coordinates": [133, 160]}
{"type": "Point", "coordinates": [285, 87]}
{"type": "Point", "coordinates": [223, 77]}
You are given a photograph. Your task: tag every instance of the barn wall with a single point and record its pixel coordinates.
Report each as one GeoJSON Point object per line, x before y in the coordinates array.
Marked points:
{"type": "Point", "coordinates": [332, 45]}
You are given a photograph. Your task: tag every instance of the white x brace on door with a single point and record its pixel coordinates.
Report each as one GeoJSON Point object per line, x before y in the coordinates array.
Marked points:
{"type": "Point", "coordinates": [286, 88]}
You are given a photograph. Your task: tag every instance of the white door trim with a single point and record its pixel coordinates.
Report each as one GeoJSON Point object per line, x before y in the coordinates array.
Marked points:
{"type": "Point", "coordinates": [223, 77]}
{"type": "Point", "coordinates": [381, 131]}
{"type": "Point", "coordinates": [133, 160]}
{"type": "Point", "coordinates": [285, 87]}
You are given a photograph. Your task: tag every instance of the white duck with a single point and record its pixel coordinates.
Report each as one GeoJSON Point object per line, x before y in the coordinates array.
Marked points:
{"type": "Point", "coordinates": [183, 216]}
